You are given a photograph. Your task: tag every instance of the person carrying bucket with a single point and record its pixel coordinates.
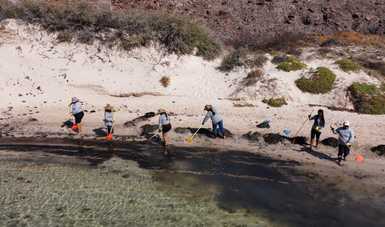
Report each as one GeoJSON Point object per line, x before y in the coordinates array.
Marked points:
{"type": "Point", "coordinates": [164, 127]}
{"type": "Point", "coordinates": [77, 113]}
{"type": "Point", "coordinates": [216, 119]}
{"type": "Point", "coordinates": [345, 140]}
{"type": "Point", "coordinates": [318, 125]}
{"type": "Point", "coordinates": [109, 120]}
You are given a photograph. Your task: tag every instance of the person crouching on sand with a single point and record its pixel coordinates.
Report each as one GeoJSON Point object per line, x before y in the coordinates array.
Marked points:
{"type": "Point", "coordinates": [318, 125]}
{"type": "Point", "coordinates": [109, 120]}
{"type": "Point", "coordinates": [216, 119]}
{"type": "Point", "coordinates": [77, 112]}
{"type": "Point", "coordinates": [345, 140]}
{"type": "Point", "coordinates": [164, 126]}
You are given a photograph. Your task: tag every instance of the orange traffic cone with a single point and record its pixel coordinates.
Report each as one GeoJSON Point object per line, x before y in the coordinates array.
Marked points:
{"type": "Point", "coordinates": [109, 137]}
{"type": "Point", "coordinates": [359, 158]}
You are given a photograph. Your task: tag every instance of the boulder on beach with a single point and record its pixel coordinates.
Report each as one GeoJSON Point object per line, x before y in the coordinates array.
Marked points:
{"type": "Point", "coordinates": [273, 138]}
{"type": "Point", "coordinates": [142, 118]}
{"type": "Point", "coordinates": [148, 129]}
{"type": "Point", "coordinates": [330, 141]}
{"type": "Point", "coordinates": [379, 150]}
{"type": "Point", "coordinates": [203, 131]}
{"type": "Point", "coordinates": [181, 130]}
{"type": "Point", "coordinates": [301, 140]}
{"type": "Point", "coordinates": [252, 136]}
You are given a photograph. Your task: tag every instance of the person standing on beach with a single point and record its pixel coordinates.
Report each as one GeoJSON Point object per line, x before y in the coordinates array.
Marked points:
{"type": "Point", "coordinates": [216, 119]}
{"type": "Point", "coordinates": [345, 140]}
{"type": "Point", "coordinates": [164, 127]}
{"type": "Point", "coordinates": [318, 125]}
{"type": "Point", "coordinates": [109, 120]}
{"type": "Point", "coordinates": [77, 112]}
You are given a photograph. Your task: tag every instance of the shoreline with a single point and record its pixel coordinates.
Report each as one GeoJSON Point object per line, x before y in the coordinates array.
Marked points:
{"type": "Point", "coordinates": [226, 166]}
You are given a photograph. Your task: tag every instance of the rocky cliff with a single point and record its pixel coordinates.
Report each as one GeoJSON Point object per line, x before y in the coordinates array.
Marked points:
{"type": "Point", "coordinates": [261, 21]}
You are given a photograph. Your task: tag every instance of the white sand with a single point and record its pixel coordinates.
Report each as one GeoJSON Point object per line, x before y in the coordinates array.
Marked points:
{"type": "Point", "coordinates": [38, 76]}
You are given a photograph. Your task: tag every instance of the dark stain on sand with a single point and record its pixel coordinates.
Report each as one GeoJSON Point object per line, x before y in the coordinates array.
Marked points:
{"type": "Point", "coordinates": [238, 180]}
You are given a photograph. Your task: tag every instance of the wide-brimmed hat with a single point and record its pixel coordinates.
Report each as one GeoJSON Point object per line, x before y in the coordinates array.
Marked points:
{"type": "Point", "coordinates": [208, 107]}
{"type": "Point", "coordinates": [160, 111]}
{"type": "Point", "coordinates": [108, 107]}
{"type": "Point", "coordinates": [75, 99]}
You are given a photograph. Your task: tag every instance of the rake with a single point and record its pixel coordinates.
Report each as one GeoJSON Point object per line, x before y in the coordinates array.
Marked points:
{"type": "Point", "coordinates": [191, 138]}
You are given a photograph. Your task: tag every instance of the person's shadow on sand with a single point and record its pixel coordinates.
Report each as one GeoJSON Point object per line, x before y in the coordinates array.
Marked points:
{"type": "Point", "coordinates": [68, 124]}
{"type": "Point", "coordinates": [100, 132]}
{"type": "Point", "coordinates": [317, 154]}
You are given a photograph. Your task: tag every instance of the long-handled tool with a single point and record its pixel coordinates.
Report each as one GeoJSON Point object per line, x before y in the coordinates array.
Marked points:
{"type": "Point", "coordinates": [302, 126]}
{"type": "Point", "coordinates": [191, 138]}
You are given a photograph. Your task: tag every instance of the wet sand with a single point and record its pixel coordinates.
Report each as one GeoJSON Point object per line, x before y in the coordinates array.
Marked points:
{"type": "Point", "coordinates": [239, 187]}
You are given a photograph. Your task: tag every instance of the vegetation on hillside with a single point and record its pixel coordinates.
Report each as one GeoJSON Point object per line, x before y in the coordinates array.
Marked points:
{"type": "Point", "coordinates": [368, 98]}
{"type": "Point", "coordinates": [128, 29]}
{"type": "Point", "coordinates": [321, 82]}
{"type": "Point", "coordinates": [291, 64]}
{"type": "Point", "coordinates": [275, 102]}
{"type": "Point", "coordinates": [348, 65]}
{"type": "Point", "coordinates": [242, 58]}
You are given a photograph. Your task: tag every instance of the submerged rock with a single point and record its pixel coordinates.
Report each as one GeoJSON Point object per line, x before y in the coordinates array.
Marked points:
{"type": "Point", "coordinates": [380, 150]}
{"type": "Point", "coordinates": [330, 141]}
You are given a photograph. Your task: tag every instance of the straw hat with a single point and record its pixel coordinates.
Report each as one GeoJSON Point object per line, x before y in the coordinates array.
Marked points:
{"type": "Point", "coordinates": [208, 107]}
{"type": "Point", "coordinates": [75, 99]}
{"type": "Point", "coordinates": [108, 107]}
{"type": "Point", "coordinates": [160, 111]}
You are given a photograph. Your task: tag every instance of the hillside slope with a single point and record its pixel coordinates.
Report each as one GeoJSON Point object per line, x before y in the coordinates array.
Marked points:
{"type": "Point", "coordinates": [260, 21]}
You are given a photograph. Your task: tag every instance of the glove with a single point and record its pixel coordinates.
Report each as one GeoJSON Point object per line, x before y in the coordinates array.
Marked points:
{"type": "Point", "coordinates": [349, 144]}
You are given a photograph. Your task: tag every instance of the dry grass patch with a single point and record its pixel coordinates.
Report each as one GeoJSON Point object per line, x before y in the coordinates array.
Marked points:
{"type": "Point", "coordinates": [354, 38]}
{"type": "Point", "coordinates": [252, 77]}
{"type": "Point", "coordinates": [165, 81]}
{"type": "Point", "coordinates": [275, 102]}
{"type": "Point", "coordinates": [242, 58]}
{"type": "Point", "coordinates": [348, 65]}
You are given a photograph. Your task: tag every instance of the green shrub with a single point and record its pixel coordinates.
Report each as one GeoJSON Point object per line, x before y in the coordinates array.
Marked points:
{"type": "Point", "coordinates": [321, 82]}
{"type": "Point", "coordinates": [367, 98]}
{"type": "Point", "coordinates": [347, 65]}
{"type": "Point", "coordinates": [275, 102]}
{"type": "Point", "coordinates": [86, 23]}
{"type": "Point", "coordinates": [291, 64]}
